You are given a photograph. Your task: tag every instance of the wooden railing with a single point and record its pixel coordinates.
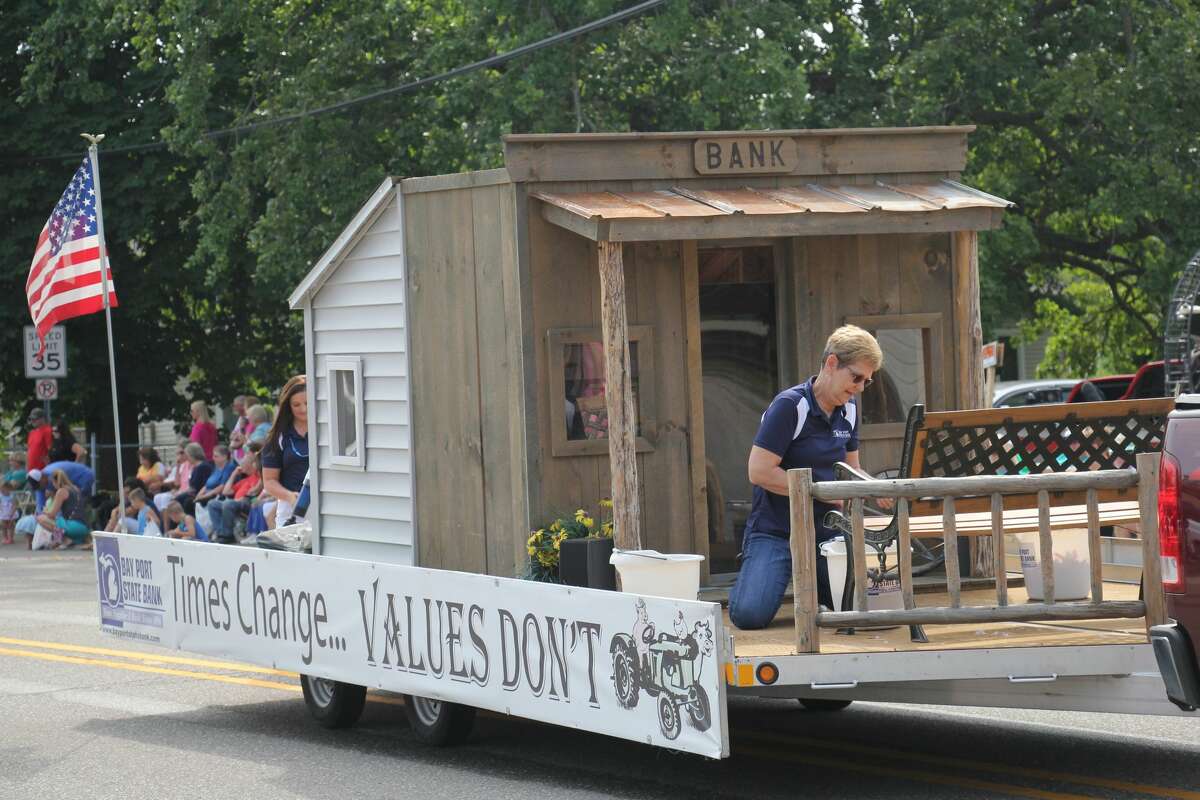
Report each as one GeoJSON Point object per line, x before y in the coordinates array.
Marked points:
{"type": "Point", "coordinates": [809, 619]}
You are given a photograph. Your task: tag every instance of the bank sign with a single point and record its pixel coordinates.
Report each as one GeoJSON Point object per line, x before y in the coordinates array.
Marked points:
{"type": "Point", "coordinates": [640, 668]}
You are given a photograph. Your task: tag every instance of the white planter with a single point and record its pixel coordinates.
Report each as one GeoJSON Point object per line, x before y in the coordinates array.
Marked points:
{"type": "Point", "coordinates": [649, 572]}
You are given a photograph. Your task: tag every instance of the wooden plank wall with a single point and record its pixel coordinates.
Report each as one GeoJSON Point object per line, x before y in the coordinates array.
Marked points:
{"type": "Point", "coordinates": [566, 293]}
{"type": "Point", "coordinates": [466, 376]}
{"type": "Point", "coordinates": [842, 276]}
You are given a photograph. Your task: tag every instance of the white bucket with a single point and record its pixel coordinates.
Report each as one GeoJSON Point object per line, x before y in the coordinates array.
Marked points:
{"type": "Point", "coordinates": [885, 596]}
{"type": "Point", "coordinates": [1072, 565]}
{"type": "Point", "coordinates": [658, 574]}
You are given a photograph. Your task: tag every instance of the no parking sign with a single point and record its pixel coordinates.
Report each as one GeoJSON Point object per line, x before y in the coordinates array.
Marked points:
{"type": "Point", "coordinates": [46, 389]}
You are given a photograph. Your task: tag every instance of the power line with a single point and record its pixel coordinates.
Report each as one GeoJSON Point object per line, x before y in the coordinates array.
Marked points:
{"type": "Point", "coordinates": [404, 88]}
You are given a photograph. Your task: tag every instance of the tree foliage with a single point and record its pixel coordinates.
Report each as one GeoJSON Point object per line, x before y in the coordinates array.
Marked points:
{"type": "Point", "coordinates": [1082, 108]}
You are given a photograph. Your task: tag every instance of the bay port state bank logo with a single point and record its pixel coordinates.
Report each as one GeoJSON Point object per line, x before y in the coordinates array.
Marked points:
{"type": "Point", "coordinates": [129, 593]}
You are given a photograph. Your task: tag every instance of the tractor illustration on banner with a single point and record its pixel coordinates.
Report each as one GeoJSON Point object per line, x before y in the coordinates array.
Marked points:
{"type": "Point", "coordinates": [666, 666]}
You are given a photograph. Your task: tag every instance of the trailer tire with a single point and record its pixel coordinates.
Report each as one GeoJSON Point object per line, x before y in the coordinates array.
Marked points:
{"type": "Point", "coordinates": [437, 722]}
{"type": "Point", "coordinates": [333, 704]}
{"type": "Point", "coordinates": [822, 704]}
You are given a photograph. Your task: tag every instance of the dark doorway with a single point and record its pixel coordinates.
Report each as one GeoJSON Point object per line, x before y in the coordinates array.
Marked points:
{"type": "Point", "coordinates": [739, 365]}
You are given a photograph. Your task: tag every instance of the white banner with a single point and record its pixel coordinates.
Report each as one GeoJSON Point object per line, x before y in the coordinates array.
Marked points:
{"type": "Point", "coordinates": [640, 668]}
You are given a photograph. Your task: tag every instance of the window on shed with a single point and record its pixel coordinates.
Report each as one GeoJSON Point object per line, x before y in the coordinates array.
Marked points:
{"type": "Point", "coordinates": [577, 376]}
{"type": "Point", "coordinates": [346, 428]}
{"type": "Point", "coordinates": [912, 370]}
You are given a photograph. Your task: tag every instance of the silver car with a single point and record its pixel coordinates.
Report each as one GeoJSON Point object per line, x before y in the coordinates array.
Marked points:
{"type": "Point", "coordinates": [1032, 393]}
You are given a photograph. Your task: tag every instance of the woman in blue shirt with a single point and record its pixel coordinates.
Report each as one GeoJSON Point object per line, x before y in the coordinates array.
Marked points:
{"type": "Point", "coordinates": [285, 453]}
{"type": "Point", "coordinates": [815, 425]}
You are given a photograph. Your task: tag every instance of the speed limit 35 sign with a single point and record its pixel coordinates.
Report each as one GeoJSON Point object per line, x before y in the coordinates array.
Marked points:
{"type": "Point", "coordinates": [53, 362]}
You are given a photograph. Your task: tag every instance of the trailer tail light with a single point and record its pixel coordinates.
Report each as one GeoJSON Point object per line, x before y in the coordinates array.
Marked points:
{"type": "Point", "coordinates": [1170, 533]}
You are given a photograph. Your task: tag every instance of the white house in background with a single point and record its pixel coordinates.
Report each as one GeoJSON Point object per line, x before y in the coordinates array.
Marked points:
{"type": "Point", "coordinates": [356, 356]}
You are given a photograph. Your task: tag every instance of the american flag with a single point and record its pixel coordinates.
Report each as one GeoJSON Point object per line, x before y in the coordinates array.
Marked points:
{"type": "Point", "coordinates": [64, 279]}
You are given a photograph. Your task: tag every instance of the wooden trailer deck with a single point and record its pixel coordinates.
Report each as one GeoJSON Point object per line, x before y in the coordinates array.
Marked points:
{"type": "Point", "coordinates": [780, 638]}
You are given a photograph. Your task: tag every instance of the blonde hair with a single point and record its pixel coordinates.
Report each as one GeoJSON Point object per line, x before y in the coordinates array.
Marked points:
{"type": "Point", "coordinates": [258, 414]}
{"type": "Point", "coordinates": [173, 507]}
{"type": "Point", "coordinates": [853, 345]}
{"type": "Point", "coordinates": [201, 409]}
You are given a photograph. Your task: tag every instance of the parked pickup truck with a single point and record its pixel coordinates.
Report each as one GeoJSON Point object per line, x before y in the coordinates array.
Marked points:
{"type": "Point", "coordinates": [1179, 543]}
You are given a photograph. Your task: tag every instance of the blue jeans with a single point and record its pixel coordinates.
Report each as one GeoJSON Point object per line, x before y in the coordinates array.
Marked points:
{"type": "Point", "coordinates": [766, 570]}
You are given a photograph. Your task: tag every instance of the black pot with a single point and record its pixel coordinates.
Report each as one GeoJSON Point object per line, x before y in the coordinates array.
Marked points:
{"type": "Point", "coordinates": [584, 562]}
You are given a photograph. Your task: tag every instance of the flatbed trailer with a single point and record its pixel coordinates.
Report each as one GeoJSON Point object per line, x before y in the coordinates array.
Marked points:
{"type": "Point", "coordinates": [650, 669]}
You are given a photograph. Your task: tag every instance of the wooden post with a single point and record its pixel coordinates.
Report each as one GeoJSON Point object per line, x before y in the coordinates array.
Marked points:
{"type": "Point", "coordinates": [804, 560]}
{"type": "Point", "coordinates": [1152, 587]}
{"type": "Point", "coordinates": [950, 549]}
{"type": "Point", "coordinates": [1095, 557]}
{"type": "Point", "coordinates": [618, 395]}
{"type": "Point", "coordinates": [998, 547]}
{"type": "Point", "coordinates": [858, 541]}
{"type": "Point", "coordinates": [904, 543]}
{"type": "Point", "coordinates": [1046, 542]}
{"type": "Point", "coordinates": [968, 333]}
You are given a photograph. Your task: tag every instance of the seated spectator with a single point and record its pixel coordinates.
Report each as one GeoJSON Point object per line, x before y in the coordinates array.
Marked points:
{"type": "Point", "coordinates": [199, 474]}
{"type": "Point", "coordinates": [259, 425]}
{"type": "Point", "coordinates": [181, 525]}
{"type": "Point", "coordinates": [285, 454]}
{"type": "Point", "coordinates": [236, 499]}
{"type": "Point", "coordinates": [204, 432]}
{"type": "Point", "coordinates": [237, 436]}
{"type": "Point", "coordinates": [63, 446]}
{"type": "Point", "coordinates": [223, 467]}
{"type": "Point", "coordinates": [177, 477]}
{"type": "Point", "coordinates": [67, 517]}
{"type": "Point", "coordinates": [141, 517]}
{"type": "Point", "coordinates": [15, 477]}
{"type": "Point", "coordinates": [151, 470]}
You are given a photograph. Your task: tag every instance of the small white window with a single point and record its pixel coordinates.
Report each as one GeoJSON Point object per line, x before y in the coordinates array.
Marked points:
{"type": "Point", "coordinates": [347, 447]}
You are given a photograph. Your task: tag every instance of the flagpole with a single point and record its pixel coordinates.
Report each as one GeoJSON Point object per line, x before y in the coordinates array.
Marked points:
{"type": "Point", "coordinates": [94, 158]}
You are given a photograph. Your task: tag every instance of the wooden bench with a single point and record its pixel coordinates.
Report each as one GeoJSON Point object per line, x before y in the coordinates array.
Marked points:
{"type": "Point", "coordinates": [1091, 484]}
{"type": "Point", "coordinates": [1031, 440]}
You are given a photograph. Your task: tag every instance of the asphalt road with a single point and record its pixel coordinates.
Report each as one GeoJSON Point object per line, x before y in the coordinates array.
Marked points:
{"type": "Point", "coordinates": [86, 716]}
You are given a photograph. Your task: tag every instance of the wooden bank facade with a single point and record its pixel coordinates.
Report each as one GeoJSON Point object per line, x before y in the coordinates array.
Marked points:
{"type": "Point", "coordinates": [609, 315]}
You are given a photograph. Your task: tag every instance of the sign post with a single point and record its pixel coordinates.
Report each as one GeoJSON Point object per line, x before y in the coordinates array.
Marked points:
{"type": "Point", "coordinates": [993, 357]}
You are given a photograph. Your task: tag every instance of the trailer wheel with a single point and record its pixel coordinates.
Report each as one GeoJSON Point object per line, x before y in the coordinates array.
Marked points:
{"type": "Point", "coordinates": [668, 717]}
{"type": "Point", "coordinates": [333, 704]}
{"type": "Point", "coordinates": [698, 708]}
{"type": "Point", "coordinates": [821, 704]}
{"type": "Point", "coordinates": [437, 722]}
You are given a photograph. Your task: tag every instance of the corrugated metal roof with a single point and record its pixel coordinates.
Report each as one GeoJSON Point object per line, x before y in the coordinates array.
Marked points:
{"type": "Point", "coordinates": [807, 199]}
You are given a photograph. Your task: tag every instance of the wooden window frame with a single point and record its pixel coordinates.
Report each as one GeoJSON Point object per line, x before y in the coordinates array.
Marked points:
{"type": "Point", "coordinates": [556, 340]}
{"type": "Point", "coordinates": [932, 339]}
{"type": "Point", "coordinates": [358, 461]}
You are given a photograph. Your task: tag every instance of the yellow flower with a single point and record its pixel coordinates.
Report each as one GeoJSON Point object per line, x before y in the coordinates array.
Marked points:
{"type": "Point", "coordinates": [531, 549]}
{"type": "Point", "coordinates": [580, 514]}
{"type": "Point", "coordinates": [588, 522]}
{"type": "Point", "coordinates": [557, 526]}
{"type": "Point", "coordinates": [557, 544]}
{"type": "Point", "coordinates": [606, 503]}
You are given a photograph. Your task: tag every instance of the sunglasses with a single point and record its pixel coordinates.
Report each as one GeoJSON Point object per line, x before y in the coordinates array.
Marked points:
{"type": "Point", "coordinates": [857, 377]}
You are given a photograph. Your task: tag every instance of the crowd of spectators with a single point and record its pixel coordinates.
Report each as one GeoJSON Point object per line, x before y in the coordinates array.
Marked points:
{"type": "Point", "coordinates": [220, 489]}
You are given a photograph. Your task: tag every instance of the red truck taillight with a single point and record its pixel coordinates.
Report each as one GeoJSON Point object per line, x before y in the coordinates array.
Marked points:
{"type": "Point", "coordinates": [1170, 536]}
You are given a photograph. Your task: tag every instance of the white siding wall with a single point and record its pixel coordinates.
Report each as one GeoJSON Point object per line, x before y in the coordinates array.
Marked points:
{"type": "Point", "coordinates": [361, 311]}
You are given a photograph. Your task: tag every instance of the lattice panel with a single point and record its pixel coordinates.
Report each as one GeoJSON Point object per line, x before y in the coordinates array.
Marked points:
{"type": "Point", "coordinates": [1023, 448]}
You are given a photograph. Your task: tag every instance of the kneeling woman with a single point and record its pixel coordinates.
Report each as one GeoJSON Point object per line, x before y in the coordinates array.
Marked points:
{"type": "Point", "coordinates": [812, 425]}
{"type": "Point", "coordinates": [181, 525]}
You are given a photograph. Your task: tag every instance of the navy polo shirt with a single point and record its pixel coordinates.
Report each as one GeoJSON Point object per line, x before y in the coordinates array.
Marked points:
{"type": "Point", "coordinates": [796, 429]}
{"type": "Point", "coordinates": [289, 455]}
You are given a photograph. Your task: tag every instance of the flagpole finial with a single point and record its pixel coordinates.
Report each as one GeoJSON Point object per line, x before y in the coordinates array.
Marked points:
{"type": "Point", "coordinates": [93, 138]}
